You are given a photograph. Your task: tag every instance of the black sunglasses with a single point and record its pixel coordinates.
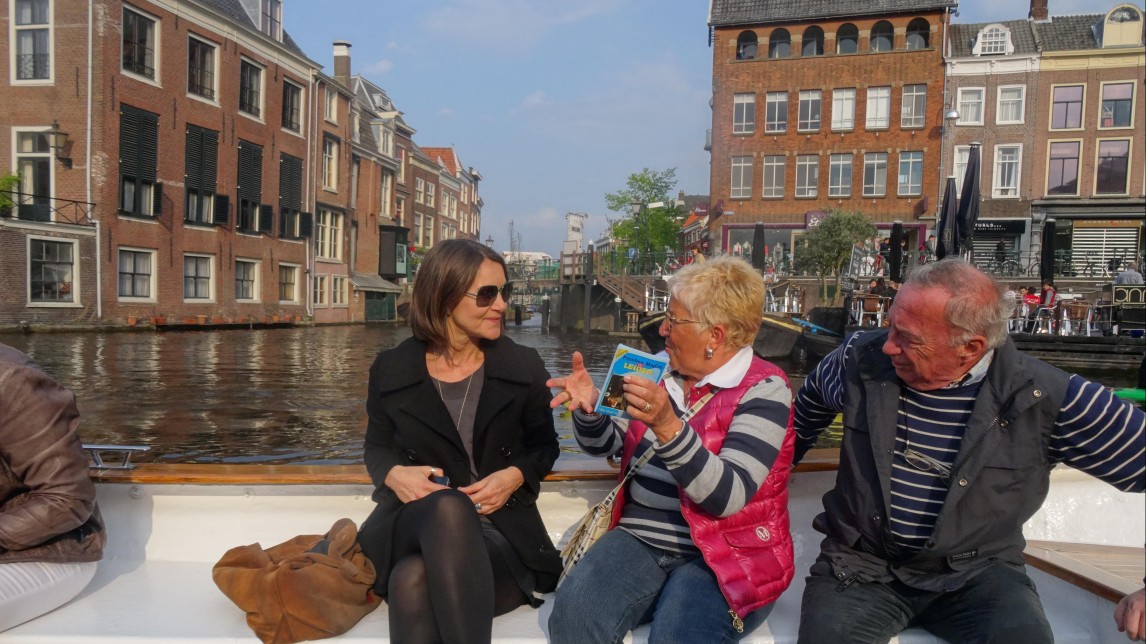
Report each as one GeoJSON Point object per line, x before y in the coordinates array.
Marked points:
{"type": "Point", "coordinates": [487, 294]}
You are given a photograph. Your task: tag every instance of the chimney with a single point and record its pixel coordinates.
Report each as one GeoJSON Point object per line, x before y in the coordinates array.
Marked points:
{"type": "Point", "coordinates": [342, 62]}
{"type": "Point", "coordinates": [1038, 10]}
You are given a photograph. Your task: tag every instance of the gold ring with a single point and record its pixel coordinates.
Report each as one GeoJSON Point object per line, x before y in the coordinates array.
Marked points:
{"type": "Point", "coordinates": [648, 406]}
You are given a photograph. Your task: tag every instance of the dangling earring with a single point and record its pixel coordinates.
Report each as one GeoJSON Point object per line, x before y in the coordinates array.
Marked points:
{"type": "Point", "coordinates": [708, 353]}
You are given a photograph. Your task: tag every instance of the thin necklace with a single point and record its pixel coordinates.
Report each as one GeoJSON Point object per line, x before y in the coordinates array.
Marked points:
{"type": "Point", "coordinates": [466, 397]}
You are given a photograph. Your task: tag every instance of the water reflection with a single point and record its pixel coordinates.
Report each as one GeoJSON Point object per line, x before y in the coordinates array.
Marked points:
{"type": "Point", "coordinates": [273, 396]}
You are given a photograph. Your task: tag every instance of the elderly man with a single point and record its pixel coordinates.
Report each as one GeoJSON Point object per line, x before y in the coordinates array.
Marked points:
{"type": "Point", "coordinates": [950, 436]}
{"type": "Point", "coordinates": [1129, 276]}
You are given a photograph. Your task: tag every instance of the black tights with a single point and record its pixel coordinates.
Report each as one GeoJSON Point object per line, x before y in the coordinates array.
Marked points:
{"type": "Point", "coordinates": [441, 587]}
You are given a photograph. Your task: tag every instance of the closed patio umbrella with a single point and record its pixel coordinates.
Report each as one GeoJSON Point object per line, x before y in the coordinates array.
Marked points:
{"type": "Point", "coordinates": [1046, 259]}
{"type": "Point", "coordinates": [969, 202]}
{"type": "Point", "coordinates": [948, 225]}
{"type": "Point", "coordinates": [895, 268]}
{"type": "Point", "coordinates": [758, 247]}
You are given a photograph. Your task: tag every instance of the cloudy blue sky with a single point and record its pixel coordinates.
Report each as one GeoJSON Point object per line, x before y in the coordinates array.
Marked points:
{"type": "Point", "coordinates": [555, 102]}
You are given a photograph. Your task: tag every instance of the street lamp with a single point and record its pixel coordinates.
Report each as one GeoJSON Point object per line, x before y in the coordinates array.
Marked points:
{"type": "Point", "coordinates": [489, 241]}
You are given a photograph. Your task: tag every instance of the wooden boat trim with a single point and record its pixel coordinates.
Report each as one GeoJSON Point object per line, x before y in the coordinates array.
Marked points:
{"type": "Point", "coordinates": [818, 460]}
{"type": "Point", "coordinates": [1081, 565]}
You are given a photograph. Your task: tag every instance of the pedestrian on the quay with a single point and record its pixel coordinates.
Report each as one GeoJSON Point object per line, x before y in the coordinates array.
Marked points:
{"type": "Point", "coordinates": [460, 435]}
{"type": "Point", "coordinates": [717, 437]}
{"type": "Point", "coordinates": [948, 420]}
{"type": "Point", "coordinates": [1129, 276]}
{"type": "Point", "coordinates": [51, 533]}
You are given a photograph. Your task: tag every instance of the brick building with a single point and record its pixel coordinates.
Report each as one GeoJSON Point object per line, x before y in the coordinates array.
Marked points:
{"type": "Point", "coordinates": [463, 207]}
{"type": "Point", "coordinates": [826, 104]}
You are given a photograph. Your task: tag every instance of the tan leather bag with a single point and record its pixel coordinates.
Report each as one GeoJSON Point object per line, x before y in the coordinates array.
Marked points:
{"type": "Point", "coordinates": [310, 587]}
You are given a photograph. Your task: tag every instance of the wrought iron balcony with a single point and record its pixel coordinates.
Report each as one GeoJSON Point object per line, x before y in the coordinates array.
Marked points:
{"type": "Point", "coordinates": [26, 207]}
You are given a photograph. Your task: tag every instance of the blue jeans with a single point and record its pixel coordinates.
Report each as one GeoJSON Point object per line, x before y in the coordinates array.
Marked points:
{"type": "Point", "coordinates": [1000, 604]}
{"type": "Point", "coordinates": [623, 582]}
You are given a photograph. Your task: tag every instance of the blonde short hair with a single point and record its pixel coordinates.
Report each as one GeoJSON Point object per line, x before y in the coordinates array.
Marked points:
{"type": "Point", "coordinates": [724, 290]}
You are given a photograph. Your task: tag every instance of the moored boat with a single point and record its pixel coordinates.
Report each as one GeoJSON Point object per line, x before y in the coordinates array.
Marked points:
{"type": "Point", "coordinates": [168, 524]}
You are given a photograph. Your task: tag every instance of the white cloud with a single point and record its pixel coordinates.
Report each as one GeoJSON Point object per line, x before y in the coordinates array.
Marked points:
{"type": "Point", "coordinates": [395, 46]}
{"type": "Point", "coordinates": [446, 112]}
{"type": "Point", "coordinates": [535, 100]}
{"type": "Point", "coordinates": [378, 68]}
{"type": "Point", "coordinates": [508, 26]}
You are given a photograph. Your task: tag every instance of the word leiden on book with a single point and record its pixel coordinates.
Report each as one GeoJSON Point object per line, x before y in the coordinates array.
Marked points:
{"type": "Point", "coordinates": [627, 361]}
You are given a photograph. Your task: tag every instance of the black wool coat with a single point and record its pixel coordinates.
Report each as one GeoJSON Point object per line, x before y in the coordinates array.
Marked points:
{"type": "Point", "coordinates": [410, 425]}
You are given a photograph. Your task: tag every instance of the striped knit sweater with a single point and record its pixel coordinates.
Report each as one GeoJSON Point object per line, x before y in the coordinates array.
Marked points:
{"type": "Point", "coordinates": [720, 483]}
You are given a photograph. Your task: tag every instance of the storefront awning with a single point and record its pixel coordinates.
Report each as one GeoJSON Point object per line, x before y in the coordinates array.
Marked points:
{"type": "Point", "coordinates": [368, 282]}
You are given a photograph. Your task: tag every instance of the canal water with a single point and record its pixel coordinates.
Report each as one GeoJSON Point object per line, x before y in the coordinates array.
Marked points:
{"type": "Point", "coordinates": [292, 395]}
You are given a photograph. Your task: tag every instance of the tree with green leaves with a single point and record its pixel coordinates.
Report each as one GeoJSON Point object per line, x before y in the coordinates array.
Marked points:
{"type": "Point", "coordinates": [827, 248]}
{"type": "Point", "coordinates": [655, 227]}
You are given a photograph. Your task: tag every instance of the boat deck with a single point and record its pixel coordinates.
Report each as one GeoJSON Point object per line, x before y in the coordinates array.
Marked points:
{"type": "Point", "coordinates": [1107, 571]}
{"type": "Point", "coordinates": [167, 526]}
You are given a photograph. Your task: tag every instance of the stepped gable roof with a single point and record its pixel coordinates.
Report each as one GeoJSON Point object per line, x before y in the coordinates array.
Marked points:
{"type": "Point", "coordinates": [447, 156]}
{"type": "Point", "coordinates": [727, 13]}
{"type": "Point", "coordinates": [1022, 37]}
{"type": "Point", "coordinates": [1067, 33]}
{"type": "Point", "coordinates": [233, 10]}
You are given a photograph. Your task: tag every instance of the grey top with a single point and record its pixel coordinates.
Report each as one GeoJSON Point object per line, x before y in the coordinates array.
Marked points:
{"type": "Point", "coordinates": [461, 399]}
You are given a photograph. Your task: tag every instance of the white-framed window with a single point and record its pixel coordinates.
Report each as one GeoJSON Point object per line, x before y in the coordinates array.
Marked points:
{"type": "Point", "coordinates": [913, 111]}
{"type": "Point", "coordinates": [53, 276]}
{"type": "Point", "coordinates": [962, 155]}
{"type": "Point", "coordinates": [1067, 102]}
{"type": "Point", "coordinates": [330, 112]}
{"type": "Point", "coordinates": [292, 107]}
{"type": "Point", "coordinates": [288, 283]}
{"type": "Point", "coordinates": [776, 112]}
{"type": "Point", "coordinates": [34, 167]}
{"type": "Point", "coordinates": [136, 274]}
{"type": "Point", "coordinates": [429, 228]}
{"type": "Point", "coordinates": [993, 40]}
{"type": "Point", "coordinates": [1117, 108]}
{"type": "Point", "coordinates": [387, 193]}
{"type": "Point", "coordinates": [840, 175]}
{"type": "Point", "coordinates": [419, 190]}
{"type": "Point", "coordinates": [140, 44]}
{"type": "Point", "coordinates": [328, 234]}
{"type": "Point", "coordinates": [1112, 167]}
{"type": "Point", "coordinates": [330, 164]}
{"type": "Point", "coordinates": [271, 19]}
{"type": "Point", "coordinates": [202, 68]}
{"type": "Point", "coordinates": [198, 277]}
{"type": "Point", "coordinates": [31, 41]}
{"type": "Point", "coordinates": [247, 280]}
{"type": "Point", "coordinates": [743, 113]}
{"type": "Point", "coordinates": [401, 164]}
{"type": "Point", "coordinates": [875, 174]}
{"type": "Point", "coordinates": [400, 210]}
{"type": "Point", "coordinates": [431, 191]}
{"type": "Point", "coordinates": [445, 231]}
{"type": "Point", "coordinates": [910, 173]}
{"type": "Point", "coordinates": [1011, 104]}
{"type": "Point", "coordinates": [970, 105]}
{"type": "Point", "coordinates": [418, 229]}
{"type": "Point", "coordinates": [250, 88]}
{"type": "Point", "coordinates": [811, 102]}
{"type": "Point", "coordinates": [807, 175]}
{"type": "Point", "coordinates": [844, 109]}
{"type": "Point", "coordinates": [1063, 159]}
{"type": "Point", "coordinates": [337, 290]}
{"type": "Point", "coordinates": [773, 176]}
{"type": "Point", "coordinates": [741, 178]}
{"type": "Point", "coordinates": [878, 108]}
{"type": "Point", "coordinates": [320, 290]}
{"type": "Point", "coordinates": [1008, 165]}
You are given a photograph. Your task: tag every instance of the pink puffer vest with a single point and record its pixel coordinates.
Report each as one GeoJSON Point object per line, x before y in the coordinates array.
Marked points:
{"type": "Point", "coordinates": [750, 551]}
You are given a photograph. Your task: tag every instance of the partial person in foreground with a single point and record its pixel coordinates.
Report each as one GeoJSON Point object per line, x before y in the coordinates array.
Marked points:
{"type": "Point", "coordinates": [51, 534]}
{"type": "Point", "coordinates": [699, 542]}
{"type": "Point", "coordinates": [460, 435]}
{"type": "Point", "coordinates": [950, 435]}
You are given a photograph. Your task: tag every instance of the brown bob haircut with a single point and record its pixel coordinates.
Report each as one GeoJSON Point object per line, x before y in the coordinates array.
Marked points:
{"type": "Point", "coordinates": [442, 281]}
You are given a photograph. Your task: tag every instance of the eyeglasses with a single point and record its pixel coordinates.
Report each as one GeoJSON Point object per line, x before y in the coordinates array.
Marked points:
{"type": "Point", "coordinates": [487, 294]}
{"type": "Point", "coordinates": [671, 321]}
{"type": "Point", "coordinates": [925, 463]}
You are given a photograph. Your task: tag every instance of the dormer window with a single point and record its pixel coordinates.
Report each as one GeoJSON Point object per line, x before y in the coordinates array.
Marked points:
{"type": "Point", "coordinates": [993, 40]}
{"type": "Point", "coordinates": [1122, 27]}
{"type": "Point", "coordinates": [271, 18]}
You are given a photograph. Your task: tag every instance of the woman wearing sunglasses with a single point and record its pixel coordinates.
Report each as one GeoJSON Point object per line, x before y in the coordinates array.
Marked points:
{"type": "Point", "coordinates": [699, 543]}
{"type": "Point", "coordinates": [460, 435]}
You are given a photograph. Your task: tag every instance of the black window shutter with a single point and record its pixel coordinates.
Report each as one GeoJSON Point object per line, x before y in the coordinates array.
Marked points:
{"type": "Point", "coordinates": [290, 182]}
{"type": "Point", "coordinates": [266, 218]}
{"type": "Point", "coordinates": [128, 141]}
{"type": "Point", "coordinates": [209, 160]}
{"type": "Point", "coordinates": [250, 171]}
{"type": "Point", "coordinates": [148, 145]}
{"type": "Point", "coordinates": [194, 166]}
{"type": "Point", "coordinates": [157, 200]}
{"type": "Point", "coordinates": [222, 209]}
{"type": "Point", "coordinates": [305, 225]}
